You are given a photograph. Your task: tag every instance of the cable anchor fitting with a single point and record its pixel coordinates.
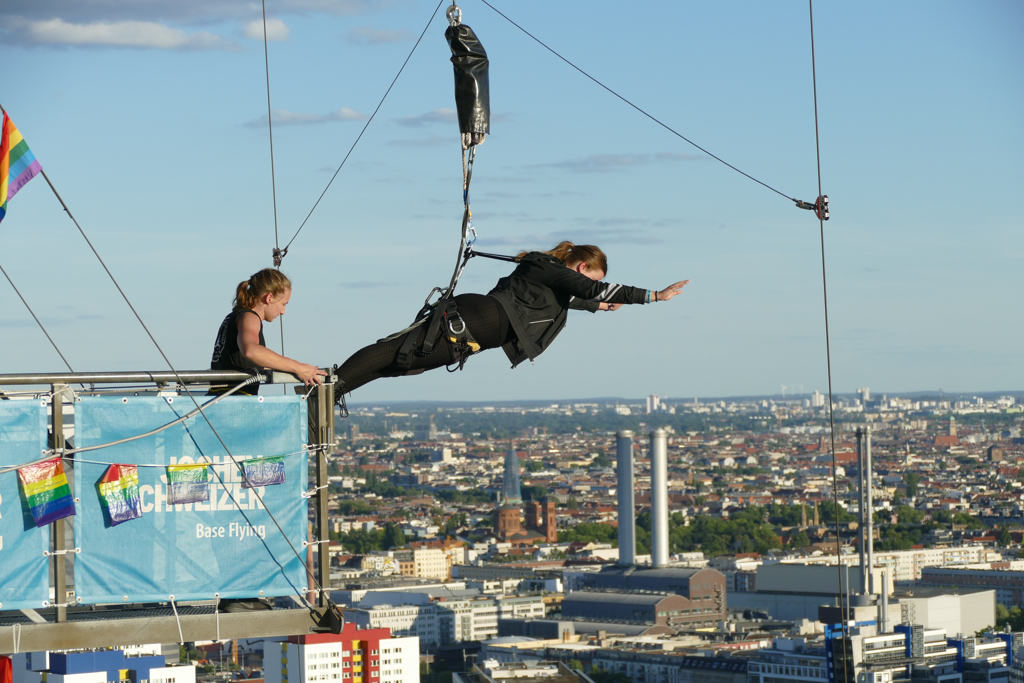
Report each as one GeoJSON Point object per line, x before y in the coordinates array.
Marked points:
{"type": "Point", "coordinates": [279, 255]}
{"type": "Point", "coordinates": [819, 207]}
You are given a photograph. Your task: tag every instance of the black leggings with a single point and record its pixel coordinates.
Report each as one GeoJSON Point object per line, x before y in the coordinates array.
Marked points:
{"type": "Point", "coordinates": [484, 317]}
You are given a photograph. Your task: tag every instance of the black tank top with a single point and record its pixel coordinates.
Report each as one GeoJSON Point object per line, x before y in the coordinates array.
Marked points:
{"type": "Point", "coordinates": [227, 355]}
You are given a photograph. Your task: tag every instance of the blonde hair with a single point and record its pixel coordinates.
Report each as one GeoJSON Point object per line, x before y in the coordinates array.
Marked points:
{"type": "Point", "coordinates": [569, 253]}
{"type": "Point", "coordinates": [267, 281]}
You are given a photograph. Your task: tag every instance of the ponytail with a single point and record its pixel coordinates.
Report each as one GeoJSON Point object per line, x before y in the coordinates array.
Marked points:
{"type": "Point", "coordinates": [267, 281]}
{"type": "Point", "coordinates": [569, 253]}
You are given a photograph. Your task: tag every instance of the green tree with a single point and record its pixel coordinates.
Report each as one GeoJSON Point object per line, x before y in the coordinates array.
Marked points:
{"type": "Point", "coordinates": [909, 515]}
{"type": "Point", "coordinates": [534, 492]}
{"type": "Point", "coordinates": [393, 537]}
{"type": "Point", "coordinates": [801, 540]}
{"type": "Point", "coordinates": [912, 479]}
{"type": "Point", "coordinates": [1005, 540]}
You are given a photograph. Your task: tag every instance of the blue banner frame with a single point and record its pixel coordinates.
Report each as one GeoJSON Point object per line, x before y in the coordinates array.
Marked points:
{"type": "Point", "coordinates": [24, 569]}
{"type": "Point", "coordinates": [226, 548]}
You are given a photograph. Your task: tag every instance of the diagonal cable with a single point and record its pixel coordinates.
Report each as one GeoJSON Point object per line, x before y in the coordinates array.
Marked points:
{"type": "Point", "coordinates": [38, 322]}
{"type": "Point", "coordinates": [651, 117]}
{"type": "Point", "coordinates": [177, 376]}
{"type": "Point", "coordinates": [368, 122]}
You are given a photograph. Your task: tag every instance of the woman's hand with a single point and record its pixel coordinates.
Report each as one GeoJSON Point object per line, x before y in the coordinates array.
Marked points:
{"type": "Point", "coordinates": [671, 291]}
{"type": "Point", "coordinates": [309, 374]}
{"type": "Point", "coordinates": [608, 307]}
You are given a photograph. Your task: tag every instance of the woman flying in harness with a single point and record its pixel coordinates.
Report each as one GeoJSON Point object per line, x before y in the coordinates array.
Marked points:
{"type": "Point", "coordinates": [240, 344]}
{"type": "Point", "coordinates": [522, 314]}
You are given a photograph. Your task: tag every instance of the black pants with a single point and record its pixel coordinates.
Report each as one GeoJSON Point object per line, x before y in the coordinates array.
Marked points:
{"type": "Point", "coordinates": [484, 317]}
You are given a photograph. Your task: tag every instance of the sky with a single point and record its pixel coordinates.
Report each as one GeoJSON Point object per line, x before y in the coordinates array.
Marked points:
{"type": "Point", "coordinates": [149, 116]}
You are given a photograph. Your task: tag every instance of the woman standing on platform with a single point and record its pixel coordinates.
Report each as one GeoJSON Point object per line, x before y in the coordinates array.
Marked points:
{"type": "Point", "coordinates": [240, 344]}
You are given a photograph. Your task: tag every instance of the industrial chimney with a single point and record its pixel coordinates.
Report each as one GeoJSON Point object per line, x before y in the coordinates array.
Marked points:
{"type": "Point", "coordinates": [659, 497]}
{"type": "Point", "coordinates": [627, 511]}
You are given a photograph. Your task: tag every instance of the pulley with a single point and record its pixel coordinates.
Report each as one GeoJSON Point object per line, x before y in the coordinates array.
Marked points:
{"type": "Point", "coordinates": [819, 207]}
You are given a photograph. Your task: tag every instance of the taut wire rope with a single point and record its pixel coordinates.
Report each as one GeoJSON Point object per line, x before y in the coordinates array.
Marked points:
{"type": "Point", "coordinates": [636, 107]}
{"type": "Point", "coordinates": [181, 383]}
{"type": "Point", "coordinates": [843, 609]}
{"type": "Point", "coordinates": [367, 125]}
{"type": "Point", "coordinates": [273, 179]}
{"type": "Point", "coordinates": [34, 317]}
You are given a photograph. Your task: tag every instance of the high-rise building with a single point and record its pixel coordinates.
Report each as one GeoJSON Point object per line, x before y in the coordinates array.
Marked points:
{"type": "Point", "coordinates": [510, 493]}
{"type": "Point", "coordinates": [864, 394]}
{"type": "Point", "coordinates": [353, 656]}
{"type": "Point", "coordinates": [817, 400]}
{"type": "Point", "coordinates": [653, 404]}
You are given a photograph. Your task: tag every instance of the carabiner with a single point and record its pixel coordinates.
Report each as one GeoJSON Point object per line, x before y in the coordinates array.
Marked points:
{"type": "Point", "coordinates": [454, 15]}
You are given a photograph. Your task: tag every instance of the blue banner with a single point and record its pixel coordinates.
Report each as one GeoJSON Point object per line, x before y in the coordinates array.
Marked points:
{"type": "Point", "coordinates": [228, 546]}
{"type": "Point", "coordinates": [24, 569]}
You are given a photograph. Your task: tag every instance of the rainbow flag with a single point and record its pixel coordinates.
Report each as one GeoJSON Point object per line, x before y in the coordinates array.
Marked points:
{"type": "Point", "coordinates": [119, 493]}
{"type": "Point", "coordinates": [263, 471]}
{"type": "Point", "coordinates": [18, 164]}
{"type": "Point", "coordinates": [187, 484]}
{"type": "Point", "coordinates": [47, 492]}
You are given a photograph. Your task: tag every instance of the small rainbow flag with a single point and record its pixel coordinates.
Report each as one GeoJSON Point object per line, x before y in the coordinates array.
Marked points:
{"type": "Point", "coordinates": [47, 491]}
{"type": "Point", "coordinates": [263, 471]}
{"type": "Point", "coordinates": [119, 493]}
{"type": "Point", "coordinates": [18, 164]}
{"type": "Point", "coordinates": [187, 484]}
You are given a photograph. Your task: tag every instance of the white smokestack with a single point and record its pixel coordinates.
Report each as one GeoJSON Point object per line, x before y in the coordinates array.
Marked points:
{"type": "Point", "coordinates": [659, 497]}
{"type": "Point", "coordinates": [627, 510]}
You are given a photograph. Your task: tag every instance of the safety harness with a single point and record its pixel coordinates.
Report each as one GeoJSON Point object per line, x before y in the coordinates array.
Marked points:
{"type": "Point", "coordinates": [472, 101]}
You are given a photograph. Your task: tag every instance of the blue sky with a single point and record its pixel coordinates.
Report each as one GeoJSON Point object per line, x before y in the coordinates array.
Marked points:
{"type": "Point", "coordinates": [150, 119]}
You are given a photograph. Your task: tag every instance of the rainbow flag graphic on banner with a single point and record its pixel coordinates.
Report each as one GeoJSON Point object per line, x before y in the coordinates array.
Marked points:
{"type": "Point", "coordinates": [119, 493]}
{"type": "Point", "coordinates": [187, 484]}
{"type": "Point", "coordinates": [263, 471]}
{"type": "Point", "coordinates": [18, 164]}
{"type": "Point", "coordinates": [47, 492]}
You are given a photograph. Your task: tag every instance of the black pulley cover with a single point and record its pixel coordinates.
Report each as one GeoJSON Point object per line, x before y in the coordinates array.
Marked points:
{"type": "Point", "coordinates": [472, 95]}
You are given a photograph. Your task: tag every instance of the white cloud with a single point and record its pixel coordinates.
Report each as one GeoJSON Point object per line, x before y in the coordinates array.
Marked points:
{"type": "Point", "coordinates": [366, 35]}
{"type": "Point", "coordinates": [131, 34]}
{"type": "Point", "coordinates": [208, 11]}
{"type": "Point", "coordinates": [606, 163]}
{"type": "Point", "coordinates": [276, 29]}
{"type": "Point", "coordinates": [437, 116]}
{"type": "Point", "coordinates": [283, 117]}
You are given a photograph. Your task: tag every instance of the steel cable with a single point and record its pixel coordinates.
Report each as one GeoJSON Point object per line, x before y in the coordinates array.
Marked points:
{"type": "Point", "coordinates": [651, 117]}
{"type": "Point", "coordinates": [368, 122]}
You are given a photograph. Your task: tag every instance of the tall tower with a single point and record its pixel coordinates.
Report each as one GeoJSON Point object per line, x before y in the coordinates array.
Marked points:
{"type": "Point", "coordinates": [653, 404]}
{"type": "Point", "coordinates": [510, 493]}
{"type": "Point", "coordinates": [952, 426]}
{"type": "Point", "coordinates": [659, 498]}
{"type": "Point", "coordinates": [627, 509]}
{"type": "Point", "coordinates": [550, 528]}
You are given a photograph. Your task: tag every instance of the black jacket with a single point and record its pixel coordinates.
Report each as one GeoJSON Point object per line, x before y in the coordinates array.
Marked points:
{"type": "Point", "coordinates": [538, 294]}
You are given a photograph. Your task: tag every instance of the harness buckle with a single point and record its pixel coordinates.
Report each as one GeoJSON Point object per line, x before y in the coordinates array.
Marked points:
{"type": "Point", "coordinates": [451, 325]}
